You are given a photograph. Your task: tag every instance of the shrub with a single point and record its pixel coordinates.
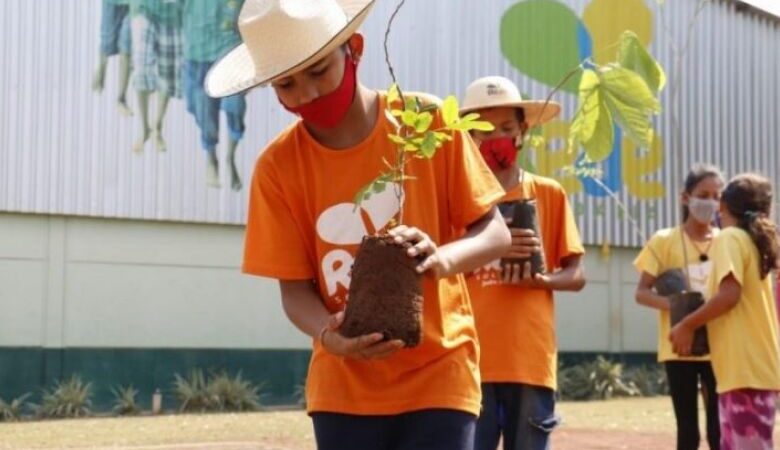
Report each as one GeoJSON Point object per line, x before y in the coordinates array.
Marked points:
{"type": "Point", "coordinates": [125, 401]}
{"type": "Point", "coordinates": [11, 412]}
{"type": "Point", "coordinates": [191, 392]}
{"type": "Point", "coordinates": [649, 379]}
{"type": "Point", "coordinates": [68, 398]}
{"type": "Point", "coordinates": [220, 392]}
{"type": "Point", "coordinates": [601, 379]}
{"type": "Point", "coordinates": [232, 394]}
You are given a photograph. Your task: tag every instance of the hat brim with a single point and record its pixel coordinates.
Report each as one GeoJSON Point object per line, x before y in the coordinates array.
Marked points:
{"type": "Point", "coordinates": [236, 71]}
{"type": "Point", "coordinates": [536, 112]}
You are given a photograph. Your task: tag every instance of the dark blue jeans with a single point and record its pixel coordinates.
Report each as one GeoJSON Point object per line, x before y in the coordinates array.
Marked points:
{"type": "Point", "coordinates": [524, 415]}
{"type": "Point", "coordinates": [433, 429]}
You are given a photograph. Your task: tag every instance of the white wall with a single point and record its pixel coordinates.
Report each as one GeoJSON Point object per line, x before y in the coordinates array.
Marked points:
{"type": "Point", "coordinates": [75, 282]}
{"type": "Point", "coordinates": [69, 282]}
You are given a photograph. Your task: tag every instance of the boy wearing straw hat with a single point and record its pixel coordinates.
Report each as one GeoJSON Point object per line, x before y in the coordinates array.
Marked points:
{"type": "Point", "coordinates": [514, 311]}
{"type": "Point", "coordinates": [303, 229]}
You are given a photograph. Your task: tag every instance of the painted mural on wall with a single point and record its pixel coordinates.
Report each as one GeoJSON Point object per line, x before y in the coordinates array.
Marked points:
{"type": "Point", "coordinates": [545, 40]}
{"type": "Point", "coordinates": [164, 48]}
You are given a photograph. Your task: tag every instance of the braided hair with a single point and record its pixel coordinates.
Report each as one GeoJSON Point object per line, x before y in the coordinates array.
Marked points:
{"type": "Point", "coordinates": [748, 197]}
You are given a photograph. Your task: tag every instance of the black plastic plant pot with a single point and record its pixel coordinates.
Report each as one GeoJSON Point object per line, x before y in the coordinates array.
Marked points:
{"type": "Point", "coordinates": [670, 282]}
{"type": "Point", "coordinates": [682, 304]}
{"type": "Point", "coordinates": [523, 214]}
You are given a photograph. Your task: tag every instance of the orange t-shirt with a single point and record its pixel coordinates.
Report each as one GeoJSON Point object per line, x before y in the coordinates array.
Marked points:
{"type": "Point", "coordinates": [302, 225]}
{"type": "Point", "coordinates": [515, 325]}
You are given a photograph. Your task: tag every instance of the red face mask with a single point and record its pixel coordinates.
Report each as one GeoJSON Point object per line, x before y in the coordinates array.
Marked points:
{"type": "Point", "coordinates": [499, 153]}
{"type": "Point", "coordinates": [328, 110]}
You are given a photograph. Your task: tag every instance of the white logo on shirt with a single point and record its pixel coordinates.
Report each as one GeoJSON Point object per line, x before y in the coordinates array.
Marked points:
{"type": "Point", "coordinates": [489, 274]}
{"type": "Point", "coordinates": [699, 275]}
{"type": "Point", "coordinates": [343, 224]}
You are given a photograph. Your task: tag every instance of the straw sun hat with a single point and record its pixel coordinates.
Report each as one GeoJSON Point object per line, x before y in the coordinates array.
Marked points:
{"type": "Point", "coordinates": [500, 92]}
{"type": "Point", "coordinates": [281, 37]}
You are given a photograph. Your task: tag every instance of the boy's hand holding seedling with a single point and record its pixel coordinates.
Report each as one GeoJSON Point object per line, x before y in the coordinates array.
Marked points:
{"type": "Point", "coordinates": [422, 247]}
{"type": "Point", "coordinates": [369, 346]}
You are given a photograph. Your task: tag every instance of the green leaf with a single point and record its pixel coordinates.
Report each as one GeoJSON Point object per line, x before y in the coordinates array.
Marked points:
{"type": "Point", "coordinates": [397, 112]}
{"type": "Point", "coordinates": [592, 125]}
{"type": "Point", "coordinates": [470, 117]}
{"type": "Point", "coordinates": [633, 56]}
{"type": "Point", "coordinates": [411, 147]}
{"type": "Point", "coordinates": [423, 122]}
{"type": "Point", "coordinates": [471, 125]}
{"type": "Point", "coordinates": [599, 145]}
{"type": "Point", "coordinates": [396, 139]}
{"type": "Point", "coordinates": [410, 104]}
{"type": "Point", "coordinates": [584, 124]}
{"type": "Point", "coordinates": [442, 137]}
{"type": "Point", "coordinates": [393, 95]}
{"type": "Point", "coordinates": [449, 110]}
{"type": "Point", "coordinates": [634, 121]}
{"type": "Point", "coordinates": [628, 88]}
{"type": "Point", "coordinates": [378, 187]}
{"type": "Point", "coordinates": [481, 125]}
{"type": "Point", "coordinates": [409, 118]}
{"type": "Point", "coordinates": [429, 145]}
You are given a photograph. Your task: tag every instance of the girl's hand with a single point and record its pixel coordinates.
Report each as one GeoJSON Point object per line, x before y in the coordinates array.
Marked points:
{"type": "Point", "coordinates": [368, 346]}
{"type": "Point", "coordinates": [420, 245]}
{"type": "Point", "coordinates": [681, 338]}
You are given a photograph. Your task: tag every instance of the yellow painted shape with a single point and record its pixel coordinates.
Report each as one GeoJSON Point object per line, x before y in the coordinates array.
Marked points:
{"type": "Point", "coordinates": [637, 166]}
{"type": "Point", "coordinates": [549, 162]}
{"type": "Point", "coordinates": [606, 20]}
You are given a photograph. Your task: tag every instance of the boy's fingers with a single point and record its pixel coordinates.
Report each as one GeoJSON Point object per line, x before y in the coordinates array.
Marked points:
{"type": "Point", "coordinates": [522, 232]}
{"type": "Point", "coordinates": [360, 343]}
{"type": "Point", "coordinates": [516, 273]}
{"type": "Point", "coordinates": [426, 264]}
{"type": "Point", "coordinates": [398, 230]}
{"type": "Point", "coordinates": [424, 247]}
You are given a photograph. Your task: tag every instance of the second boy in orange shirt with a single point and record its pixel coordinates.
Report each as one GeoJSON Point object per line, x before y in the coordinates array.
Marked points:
{"type": "Point", "coordinates": [515, 315]}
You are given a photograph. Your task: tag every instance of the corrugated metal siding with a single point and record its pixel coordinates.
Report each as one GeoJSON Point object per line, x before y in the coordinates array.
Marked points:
{"type": "Point", "coordinates": [65, 150]}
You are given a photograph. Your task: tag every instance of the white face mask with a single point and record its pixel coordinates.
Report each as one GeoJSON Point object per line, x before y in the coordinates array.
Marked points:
{"type": "Point", "coordinates": [703, 210]}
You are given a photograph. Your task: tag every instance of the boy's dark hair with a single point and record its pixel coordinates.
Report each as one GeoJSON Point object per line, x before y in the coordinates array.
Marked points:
{"type": "Point", "coordinates": [699, 173]}
{"type": "Point", "coordinates": [520, 113]}
{"type": "Point", "coordinates": [748, 198]}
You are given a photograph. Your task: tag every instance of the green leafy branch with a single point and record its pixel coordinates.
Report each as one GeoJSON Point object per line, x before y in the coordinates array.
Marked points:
{"type": "Point", "coordinates": [413, 135]}
{"type": "Point", "coordinates": [415, 138]}
{"type": "Point", "coordinates": [624, 91]}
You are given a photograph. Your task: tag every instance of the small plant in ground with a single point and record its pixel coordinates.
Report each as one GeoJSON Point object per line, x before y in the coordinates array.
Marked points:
{"type": "Point", "coordinates": [13, 411]}
{"type": "Point", "coordinates": [192, 392]}
{"type": "Point", "coordinates": [218, 392]}
{"type": "Point", "coordinates": [649, 379]}
{"type": "Point", "coordinates": [125, 403]}
{"type": "Point", "coordinates": [601, 379]}
{"type": "Point", "coordinates": [232, 394]}
{"type": "Point", "coordinates": [609, 380]}
{"type": "Point", "coordinates": [68, 398]}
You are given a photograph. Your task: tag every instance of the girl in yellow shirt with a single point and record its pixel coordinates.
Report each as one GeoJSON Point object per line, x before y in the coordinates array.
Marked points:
{"type": "Point", "coordinates": [741, 316]}
{"type": "Point", "coordinates": [687, 246]}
